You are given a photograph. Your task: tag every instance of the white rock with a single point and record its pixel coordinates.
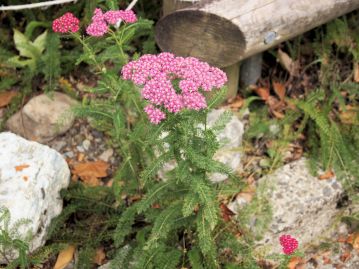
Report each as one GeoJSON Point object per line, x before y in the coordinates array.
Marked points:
{"type": "Point", "coordinates": [43, 117]}
{"type": "Point", "coordinates": [31, 192]}
{"type": "Point", "coordinates": [230, 139]}
{"type": "Point", "coordinates": [106, 155]}
{"type": "Point", "coordinates": [86, 144]}
{"type": "Point", "coordinates": [302, 205]}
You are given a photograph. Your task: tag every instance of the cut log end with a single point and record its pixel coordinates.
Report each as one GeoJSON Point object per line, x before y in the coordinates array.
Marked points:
{"type": "Point", "coordinates": [211, 38]}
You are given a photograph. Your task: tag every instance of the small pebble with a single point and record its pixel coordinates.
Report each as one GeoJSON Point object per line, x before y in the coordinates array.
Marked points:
{"type": "Point", "coordinates": [97, 134]}
{"type": "Point", "coordinates": [86, 144]}
{"type": "Point", "coordinates": [69, 154]}
{"type": "Point", "coordinates": [106, 155]}
{"type": "Point", "coordinates": [58, 145]}
{"type": "Point", "coordinates": [80, 149]}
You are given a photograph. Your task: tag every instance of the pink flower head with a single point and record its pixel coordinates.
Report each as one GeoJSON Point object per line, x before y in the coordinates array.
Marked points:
{"type": "Point", "coordinates": [159, 73]}
{"type": "Point", "coordinates": [289, 244]}
{"type": "Point", "coordinates": [98, 26]}
{"type": "Point", "coordinates": [113, 16]}
{"type": "Point", "coordinates": [155, 114]}
{"type": "Point", "coordinates": [66, 23]}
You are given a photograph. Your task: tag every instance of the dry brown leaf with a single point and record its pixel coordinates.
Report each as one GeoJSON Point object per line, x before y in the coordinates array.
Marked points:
{"type": "Point", "coordinates": [80, 157]}
{"type": "Point", "coordinates": [296, 263]}
{"type": "Point", "coordinates": [236, 102]}
{"type": "Point", "coordinates": [226, 212]}
{"type": "Point", "coordinates": [279, 89]}
{"type": "Point", "coordinates": [90, 172]}
{"type": "Point", "coordinates": [345, 256]}
{"type": "Point", "coordinates": [92, 181]}
{"type": "Point", "coordinates": [21, 167]}
{"type": "Point", "coordinates": [327, 175]}
{"type": "Point", "coordinates": [25, 178]}
{"type": "Point", "coordinates": [247, 196]}
{"type": "Point", "coordinates": [6, 97]}
{"type": "Point", "coordinates": [353, 239]}
{"type": "Point", "coordinates": [65, 257]}
{"type": "Point", "coordinates": [156, 206]}
{"type": "Point", "coordinates": [288, 64]}
{"type": "Point", "coordinates": [350, 115]}
{"type": "Point", "coordinates": [262, 93]}
{"type": "Point", "coordinates": [100, 256]}
{"type": "Point", "coordinates": [278, 115]}
{"type": "Point", "coordinates": [356, 72]}
{"type": "Point", "coordinates": [325, 257]}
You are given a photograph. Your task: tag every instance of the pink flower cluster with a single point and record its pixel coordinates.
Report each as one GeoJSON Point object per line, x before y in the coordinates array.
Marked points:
{"type": "Point", "coordinates": [159, 73]}
{"type": "Point", "coordinates": [289, 244]}
{"type": "Point", "coordinates": [99, 24]}
{"type": "Point", "coordinates": [66, 23]}
{"type": "Point", "coordinates": [100, 20]}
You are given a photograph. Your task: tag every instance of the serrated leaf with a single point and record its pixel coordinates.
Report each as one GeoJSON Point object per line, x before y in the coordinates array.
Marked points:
{"type": "Point", "coordinates": [206, 243]}
{"type": "Point", "coordinates": [189, 204]}
{"type": "Point", "coordinates": [208, 200]}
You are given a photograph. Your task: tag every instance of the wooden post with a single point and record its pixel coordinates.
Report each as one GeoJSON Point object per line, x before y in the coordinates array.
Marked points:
{"type": "Point", "coordinates": [232, 71]}
{"type": "Point", "coordinates": [223, 32]}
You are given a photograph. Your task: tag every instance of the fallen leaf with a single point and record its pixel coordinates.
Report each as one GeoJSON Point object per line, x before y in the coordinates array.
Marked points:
{"type": "Point", "coordinates": [356, 72]}
{"type": "Point", "coordinates": [353, 239]}
{"type": "Point", "coordinates": [277, 114]}
{"type": "Point", "coordinates": [90, 172]}
{"type": "Point", "coordinates": [350, 115]}
{"type": "Point", "coordinates": [80, 157]}
{"type": "Point", "coordinates": [327, 175]}
{"type": "Point", "coordinates": [25, 178]}
{"type": "Point", "coordinates": [288, 64]}
{"type": "Point", "coordinates": [345, 256]}
{"type": "Point", "coordinates": [226, 212]}
{"type": "Point", "coordinates": [6, 97]}
{"type": "Point", "coordinates": [100, 256]}
{"type": "Point", "coordinates": [325, 257]}
{"type": "Point", "coordinates": [19, 168]}
{"type": "Point", "coordinates": [279, 89]}
{"type": "Point", "coordinates": [65, 257]}
{"type": "Point", "coordinates": [236, 103]}
{"type": "Point", "coordinates": [296, 263]}
{"type": "Point", "coordinates": [262, 93]}
{"type": "Point", "coordinates": [246, 196]}
{"type": "Point", "coordinates": [156, 206]}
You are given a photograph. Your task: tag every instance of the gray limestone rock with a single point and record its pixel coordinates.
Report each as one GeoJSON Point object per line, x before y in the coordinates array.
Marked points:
{"type": "Point", "coordinates": [43, 117]}
{"type": "Point", "coordinates": [302, 205]}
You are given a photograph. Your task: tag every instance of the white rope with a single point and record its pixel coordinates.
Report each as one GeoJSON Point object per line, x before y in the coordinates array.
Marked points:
{"type": "Point", "coordinates": [35, 5]}
{"type": "Point", "coordinates": [130, 6]}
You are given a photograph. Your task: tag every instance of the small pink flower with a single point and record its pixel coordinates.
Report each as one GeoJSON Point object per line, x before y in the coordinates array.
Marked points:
{"type": "Point", "coordinates": [113, 16]}
{"type": "Point", "coordinates": [128, 16]}
{"type": "Point", "coordinates": [66, 23]}
{"type": "Point", "coordinates": [155, 114]}
{"type": "Point", "coordinates": [289, 244]}
{"type": "Point", "coordinates": [98, 26]}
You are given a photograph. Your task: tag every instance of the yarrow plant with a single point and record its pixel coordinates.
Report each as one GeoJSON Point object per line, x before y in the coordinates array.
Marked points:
{"type": "Point", "coordinates": [174, 222]}
{"type": "Point", "coordinates": [172, 84]}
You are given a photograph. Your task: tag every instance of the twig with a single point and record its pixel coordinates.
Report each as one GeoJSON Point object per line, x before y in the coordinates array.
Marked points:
{"type": "Point", "coordinates": [130, 6]}
{"type": "Point", "coordinates": [35, 5]}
